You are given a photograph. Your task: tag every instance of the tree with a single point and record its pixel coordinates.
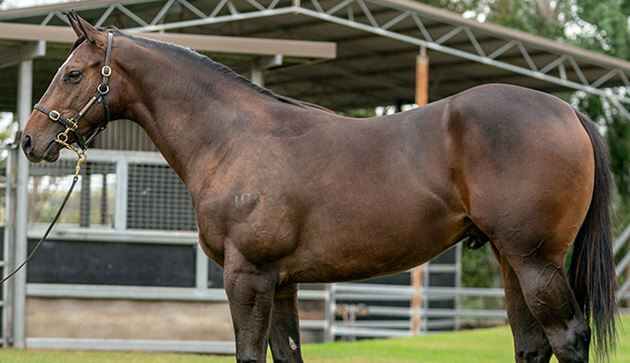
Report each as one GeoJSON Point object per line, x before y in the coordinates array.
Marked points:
{"type": "Point", "coordinates": [604, 27]}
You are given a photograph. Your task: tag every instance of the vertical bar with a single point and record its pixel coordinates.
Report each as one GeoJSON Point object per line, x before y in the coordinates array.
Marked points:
{"type": "Point", "coordinates": [122, 180]}
{"type": "Point", "coordinates": [422, 78]}
{"type": "Point", "coordinates": [458, 284]}
{"type": "Point", "coordinates": [85, 206]}
{"type": "Point", "coordinates": [422, 97]}
{"type": "Point", "coordinates": [257, 75]}
{"type": "Point", "coordinates": [104, 208]}
{"type": "Point", "coordinates": [24, 107]}
{"type": "Point", "coordinates": [201, 268]}
{"type": "Point", "coordinates": [9, 243]}
{"type": "Point", "coordinates": [329, 313]}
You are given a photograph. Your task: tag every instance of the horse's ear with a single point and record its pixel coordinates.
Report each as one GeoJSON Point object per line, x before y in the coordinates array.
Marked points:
{"type": "Point", "coordinates": [84, 29]}
{"type": "Point", "coordinates": [72, 19]}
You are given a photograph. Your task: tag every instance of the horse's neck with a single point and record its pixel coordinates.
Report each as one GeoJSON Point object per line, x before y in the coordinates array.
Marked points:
{"type": "Point", "coordinates": [192, 117]}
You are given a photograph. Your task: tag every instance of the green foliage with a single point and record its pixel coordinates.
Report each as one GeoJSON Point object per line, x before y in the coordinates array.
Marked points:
{"type": "Point", "coordinates": [479, 267]}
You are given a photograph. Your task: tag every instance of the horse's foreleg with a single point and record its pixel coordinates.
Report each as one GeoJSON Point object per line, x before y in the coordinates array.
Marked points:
{"type": "Point", "coordinates": [250, 290]}
{"type": "Point", "coordinates": [550, 299]}
{"type": "Point", "coordinates": [285, 329]}
{"type": "Point", "coordinates": [530, 343]}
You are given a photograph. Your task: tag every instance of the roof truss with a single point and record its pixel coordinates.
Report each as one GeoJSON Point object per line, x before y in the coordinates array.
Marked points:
{"type": "Point", "coordinates": [403, 20]}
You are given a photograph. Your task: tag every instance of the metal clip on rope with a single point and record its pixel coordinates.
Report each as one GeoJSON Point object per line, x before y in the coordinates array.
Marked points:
{"type": "Point", "coordinates": [63, 138]}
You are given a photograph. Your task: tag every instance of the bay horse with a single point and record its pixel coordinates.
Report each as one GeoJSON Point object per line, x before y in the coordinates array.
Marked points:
{"type": "Point", "coordinates": [286, 192]}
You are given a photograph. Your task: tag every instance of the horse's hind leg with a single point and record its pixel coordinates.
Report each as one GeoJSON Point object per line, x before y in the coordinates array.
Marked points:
{"type": "Point", "coordinates": [549, 298]}
{"type": "Point", "coordinates": [530, 343]}
{"type": "Point", "coordinates": [285, 329]}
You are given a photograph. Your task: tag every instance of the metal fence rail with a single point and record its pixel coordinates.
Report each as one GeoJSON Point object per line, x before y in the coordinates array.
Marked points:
{"type": "Point", "coordinates": [621, 250]}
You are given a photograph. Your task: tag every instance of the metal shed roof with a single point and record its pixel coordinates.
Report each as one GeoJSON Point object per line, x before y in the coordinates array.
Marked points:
{"type": "Point", "coordinates": [377, 40]}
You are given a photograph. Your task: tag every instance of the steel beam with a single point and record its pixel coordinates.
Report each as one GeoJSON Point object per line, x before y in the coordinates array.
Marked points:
{"type": "Point", "coordinates": [440, 47]}
{"type": "Point", "coordinates": [207, 43]}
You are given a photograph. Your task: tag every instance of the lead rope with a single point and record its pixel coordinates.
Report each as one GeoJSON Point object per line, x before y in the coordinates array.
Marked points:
{"type": "Point", "coordinates": [77, 170]}
{"type": "Point", "coordinates": [72, 126]}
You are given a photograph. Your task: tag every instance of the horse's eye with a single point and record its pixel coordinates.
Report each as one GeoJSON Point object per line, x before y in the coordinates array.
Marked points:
{"type": "Point", "coordinates": [73, 77]}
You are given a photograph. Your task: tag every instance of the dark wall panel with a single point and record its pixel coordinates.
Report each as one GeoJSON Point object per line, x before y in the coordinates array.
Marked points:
{"type": "Point", "coordinates": [215, 275]}
{"type": "Point", "coordinates": [109, 263]}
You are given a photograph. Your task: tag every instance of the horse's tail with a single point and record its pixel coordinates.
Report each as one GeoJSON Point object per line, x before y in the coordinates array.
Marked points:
{"type": "Point", "coordinates": [592, 271]}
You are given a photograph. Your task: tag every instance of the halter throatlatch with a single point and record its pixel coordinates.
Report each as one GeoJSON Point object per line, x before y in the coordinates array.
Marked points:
{"type": "Point", "coordinates": [71, 124]}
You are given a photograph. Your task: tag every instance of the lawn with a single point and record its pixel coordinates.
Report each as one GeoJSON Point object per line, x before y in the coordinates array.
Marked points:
{"type": "Point", "coordinates": [479, 346]}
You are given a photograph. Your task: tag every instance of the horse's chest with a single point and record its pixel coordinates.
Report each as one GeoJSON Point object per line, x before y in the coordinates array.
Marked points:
{"type": "Point", "coordinates": [260, 225]}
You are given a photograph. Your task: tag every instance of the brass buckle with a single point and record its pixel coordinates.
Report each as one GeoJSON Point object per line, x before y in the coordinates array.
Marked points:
{"type": "Point", "coordinates": [103, 89]}
{"type": "Point", "coordinates": [106, 71]}
{"type": "Point", "coordinates": [54, 115]}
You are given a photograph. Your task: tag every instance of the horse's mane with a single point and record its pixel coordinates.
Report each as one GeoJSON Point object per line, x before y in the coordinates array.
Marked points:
{"type": "Point", "coordinates": [214, 66]}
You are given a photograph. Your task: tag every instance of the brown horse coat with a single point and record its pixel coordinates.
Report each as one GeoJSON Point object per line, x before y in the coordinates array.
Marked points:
{"type": "Point", "coordinates": [288, 193]}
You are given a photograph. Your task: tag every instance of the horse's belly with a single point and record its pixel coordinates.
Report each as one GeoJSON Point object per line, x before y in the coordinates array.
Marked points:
{"type": "Point", "coordinates": [378, 244]}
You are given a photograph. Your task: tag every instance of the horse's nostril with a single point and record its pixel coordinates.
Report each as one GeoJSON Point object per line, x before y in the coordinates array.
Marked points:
{"type": "Point", "coordinates": [27, 144]}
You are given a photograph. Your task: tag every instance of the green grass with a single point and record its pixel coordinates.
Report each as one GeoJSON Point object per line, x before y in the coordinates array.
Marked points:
{"type": "Point", "coordinates": [479, 346]}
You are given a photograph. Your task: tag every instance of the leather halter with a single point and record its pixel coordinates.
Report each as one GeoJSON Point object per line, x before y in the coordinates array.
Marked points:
{"type": "Point", "coordinates": [71, 124]}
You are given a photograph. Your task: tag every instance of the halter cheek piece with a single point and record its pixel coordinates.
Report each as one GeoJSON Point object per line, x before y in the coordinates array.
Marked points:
{"type": "Point", "coordinates": [71, 124]}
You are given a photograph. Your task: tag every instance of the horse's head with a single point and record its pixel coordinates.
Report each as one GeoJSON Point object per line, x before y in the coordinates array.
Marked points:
{"type": "Point", "coordinates": [78, 101]}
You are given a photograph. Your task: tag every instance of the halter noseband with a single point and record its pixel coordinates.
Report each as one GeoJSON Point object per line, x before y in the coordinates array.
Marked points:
{"type": "Point", "coordinates": [71, 124]}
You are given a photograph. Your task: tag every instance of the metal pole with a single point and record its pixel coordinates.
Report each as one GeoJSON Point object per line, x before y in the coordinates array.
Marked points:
{"type": "Point", "coordinates": [329, 313]}
{"type": "Point", "coordinates": [201, 268]}
{"type": "Point", "coordinates": [24, 107]}
{"type": "Point", "coordinates": [458, 284]}
{"type": "Point", "coordinates": [120, 206]}
{"type": "Point", "coordinates": [422, 97]}
{"type": "Point", "coordinates": [257, 75]}
{"type": "Point", "coordinates": [9, 243]}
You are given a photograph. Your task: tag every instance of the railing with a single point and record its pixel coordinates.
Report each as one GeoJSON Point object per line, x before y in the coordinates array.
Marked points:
{"type": "Point", "coordinates": [393, 321]}
{"type": "Point", "coordinates": [620, 247]}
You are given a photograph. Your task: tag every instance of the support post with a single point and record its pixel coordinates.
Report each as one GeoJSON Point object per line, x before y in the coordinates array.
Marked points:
{"type": "Point", "coordinates": [422, 97]}
{"type": "Point", "coordinates": [330, 313]}
{"type": "Point", "coordinates": [24, 107]}
{"type": "Point", "coordinates": [9, 240]}
{"type": "Point", "coordinates": [259, 65]}
{"type": "Point", "coordinates": [120, 206]}
{"type": "Point", "coordinates": [201, 268]}
{"type": "Point", "coordinates": [422, 78]}
{"type": "Point", "coordinates": [257, 75]}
